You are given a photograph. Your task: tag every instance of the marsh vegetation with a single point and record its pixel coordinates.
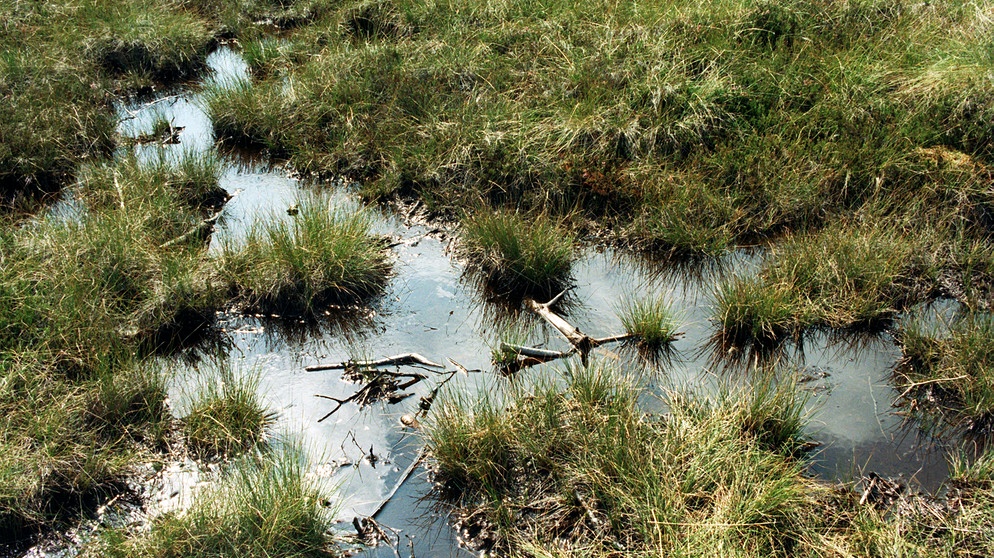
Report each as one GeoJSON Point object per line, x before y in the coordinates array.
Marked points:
{"type": "Point", "coordinates": [848, 143]}
{"type": "Point", "coordinates": [573, 466]}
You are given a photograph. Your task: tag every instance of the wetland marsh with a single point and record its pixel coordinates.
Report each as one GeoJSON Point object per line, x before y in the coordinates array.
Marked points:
{"type": "Point", "coordinates": [787, 204]}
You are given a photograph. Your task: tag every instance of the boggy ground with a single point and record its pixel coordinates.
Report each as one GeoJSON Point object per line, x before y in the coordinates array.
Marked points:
{"type": "Point", "coordinates": [91, 296]}
{"type": "Point", "coordinates": [852, 139]}
{"type": "Point", "coordinates": [571, 466]}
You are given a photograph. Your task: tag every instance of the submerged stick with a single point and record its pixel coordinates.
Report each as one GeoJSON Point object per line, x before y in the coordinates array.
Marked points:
{"type": "Point", "coordinates": [535, 352]}
{"type": "Point", "coordinates": [403, 478]}
{"type": "Point", "coordinates": [406, 358]}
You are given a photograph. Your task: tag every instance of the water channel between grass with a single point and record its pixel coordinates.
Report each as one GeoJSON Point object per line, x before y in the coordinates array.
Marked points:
{"type": "Point", "coordinates": [431, 308]}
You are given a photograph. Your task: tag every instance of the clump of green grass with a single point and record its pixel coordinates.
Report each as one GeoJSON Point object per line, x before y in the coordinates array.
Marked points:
{"type": "Point", "coordinates": [747, 311]}
{"type": "Point", "coordinates": [67, 444]}
{"type": "Point", "coordinates": [325, 253]}
{"type": "Point", "coordinates": [950, 376]}
{"type": "Point", "coordinates": [972, 496]}
{"type": "Point", "coordinates": [148, 38]}
{"type": "Point", "coordinates": [500, 355]}
{"type": "Point", "coordinates": [518, 253]}
{"type": "Point", "coordinates": [226, 415]}
{"type": "Point", "coordinates": [684, 218]}
{"type": "Point", "coordinates": [576, 468]}
{"type": "Point", "coordinates": [40, 147]}
{"type": "Point", "coordinates": [375, 19]}
{"type": "Point", "coordinates": [84, 303]}
{"type": "Point", "coordinates": [190, 179]}
{"type": "Point", "coordinates": [240, 113]}
{"type": "Point", "coordinates": [649, 319]}
{"type": "Point", "coordinates": [579, 468]}
{"type": "Point", "coordinates": [843, 276]}
{"type": "Point", "coordinates": [264, 505]}
{"type": "Point", "coordinates": [129, 399]}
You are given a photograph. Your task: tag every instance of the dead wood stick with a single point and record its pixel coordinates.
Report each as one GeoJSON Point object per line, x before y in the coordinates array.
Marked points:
{"type": "Point", "coordinates": [362, 393]}
{"type": "Point", "coordinates": [575, 337]}
{"type": "Point", "coordinates": [459, 367]}
{"type": "Point", "coordinates": [120, 192]}
{"type": "Point", "coordinates": [914, 385]}
{"type": "Point", "coordinates": [535, 352]}
{"type": "Point", "coordinates": [612, 339]}
{"type": "Point", "coordinates": [339, 402]}
{"type": "Point", "coordinates": [406, 358]}
{"type": "Point", "coordinates": [403, 478]}
{"type": "Point", "coordinates": [580, 341]}
{"type": "Point", "coordinates": [203, 225]}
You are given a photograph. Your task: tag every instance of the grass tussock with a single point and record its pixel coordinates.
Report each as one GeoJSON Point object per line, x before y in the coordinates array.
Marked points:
{"type": "Point", "coordinates": [650, 319]}
{"type": "Point", "coordinates": [949, 376]}
{"type": "Point", "coordinates": [684, 128]}
{"type": "Point", "coordinates": [158, 41]}
{"type": "Point", "coordinates": [843, 276]}
{"type": "Point", "coordinates": [65, 444]}
{"type": "Point", "coordinates": [580, 469]}
{"type": "Point", "coordinates": [84, 300]}
{"type": "Point", "coordinates": [264, 505]}
{"type": "Point", "coordinates": [518, 253]}
{"type": "Point", "coordinates": [577, 469]}
{"type": "Point", "coordinates": [755, 118]}
{"type": "Point", "coordinates": [61, 64]}
{"type": "Point", "coordinates": [226, 416]}
{"type": "Point", "coordinates": [325, 253]}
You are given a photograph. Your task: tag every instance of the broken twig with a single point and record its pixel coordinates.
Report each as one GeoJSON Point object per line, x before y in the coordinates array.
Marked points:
{"type": "Point", "coordinates": [383, 384]}
{"type": "Point", "coordinates": [406, 358]}
{"type": "Point", "coordinates": [581, 341]}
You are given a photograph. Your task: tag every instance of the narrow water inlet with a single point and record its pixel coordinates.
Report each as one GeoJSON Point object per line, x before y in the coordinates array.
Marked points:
{"type": "Point", "coordinates": [430, 308]}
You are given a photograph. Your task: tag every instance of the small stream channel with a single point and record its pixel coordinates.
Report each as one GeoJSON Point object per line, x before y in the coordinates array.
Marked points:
{"type": "Point", "coordinates": [431, 309]}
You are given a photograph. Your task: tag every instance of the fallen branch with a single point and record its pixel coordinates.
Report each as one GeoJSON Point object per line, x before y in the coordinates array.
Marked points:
{"type": "Point", "coordinates": [581, 341]}
{"type": "Point", "coordinates": [206, 224]}
{"type": "Point", "coordinates": [535, 352]}
{"type": "Point", "coordinates": [914, 385]}
{"type": "Point", "coordinates": [575, 337]}
{"type": "Point", "coordinates": [200, 227]}
{"type": "Point", "coordinates": [406, 358]}
{"type": "Point", "coordinates": [403, 478]}
{"type": "Point", "coordinates": [374, 389]}
{"type": "Point", "coordinates": [616, 338]}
